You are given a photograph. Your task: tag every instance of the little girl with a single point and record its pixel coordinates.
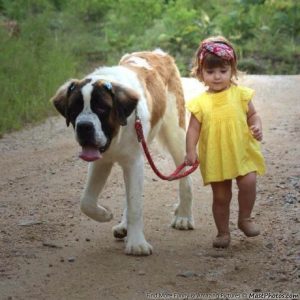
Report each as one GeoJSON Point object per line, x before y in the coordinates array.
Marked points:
{"type": "Point", "coordinates": [228, 128]}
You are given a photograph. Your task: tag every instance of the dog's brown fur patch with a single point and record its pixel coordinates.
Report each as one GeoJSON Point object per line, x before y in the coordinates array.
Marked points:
{"type": "Point", "coordinates": [163, 73]}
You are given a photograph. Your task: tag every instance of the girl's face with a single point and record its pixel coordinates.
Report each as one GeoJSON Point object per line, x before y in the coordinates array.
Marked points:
{"type": "Point", "coordinates": [217, 79]}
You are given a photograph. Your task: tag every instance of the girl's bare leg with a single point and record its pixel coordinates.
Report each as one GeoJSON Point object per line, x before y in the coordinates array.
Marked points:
{"type": "Point", "coordinates": [222, 195]}
{"type": "Point", "coordinates": [246, 198]}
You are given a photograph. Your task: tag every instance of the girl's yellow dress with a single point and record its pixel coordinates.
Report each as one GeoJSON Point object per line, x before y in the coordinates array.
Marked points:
{"type": "Point", "coordinates": [226, 146]}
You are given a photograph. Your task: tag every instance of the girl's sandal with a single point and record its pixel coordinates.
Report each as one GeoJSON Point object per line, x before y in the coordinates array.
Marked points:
{"type": "Point", "coordinates": [248, 226]}
{"type": "Point", "coordinates": [221, 241]}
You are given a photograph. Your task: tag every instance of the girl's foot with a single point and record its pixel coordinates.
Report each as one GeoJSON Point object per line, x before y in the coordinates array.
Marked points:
{"type": "Point", "coordinates": [222, 241]}
{"type": "Point", "coordinates": [248, 226]}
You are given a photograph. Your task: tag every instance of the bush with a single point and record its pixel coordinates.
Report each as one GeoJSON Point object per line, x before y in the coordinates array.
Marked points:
{"type": "Point", "coordinates": [60, 39]}
{"type": "Point", "coordinates": [31, 68]}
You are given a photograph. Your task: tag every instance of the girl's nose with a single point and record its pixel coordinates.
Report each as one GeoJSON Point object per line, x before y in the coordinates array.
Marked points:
{"type": "Point", "coordinates": [217, 75]}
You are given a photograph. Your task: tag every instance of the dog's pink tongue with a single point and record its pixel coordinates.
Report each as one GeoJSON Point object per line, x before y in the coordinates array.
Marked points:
{"type": "Point", "coordinates": [90, 153]}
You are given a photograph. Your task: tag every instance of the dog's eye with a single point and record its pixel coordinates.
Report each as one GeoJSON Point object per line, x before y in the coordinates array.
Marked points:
{"type": "Point", "coordinates": [76, 106]}
{"type": "Point", "coordinates": [100, 109]}
{"type": "Point", "coordinates": [100, 100]}
{"type": "Point", "coordinates": [99, 106]}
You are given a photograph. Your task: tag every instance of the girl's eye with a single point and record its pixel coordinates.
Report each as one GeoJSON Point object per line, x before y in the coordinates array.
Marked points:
{"type": "Point", "coordinates": [224, 71]}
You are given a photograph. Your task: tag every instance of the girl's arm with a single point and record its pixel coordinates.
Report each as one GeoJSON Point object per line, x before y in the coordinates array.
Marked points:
{"type": "Point", "coordinates": [192, 137]}
{"type": "Point", "coordinates": [254, 122]}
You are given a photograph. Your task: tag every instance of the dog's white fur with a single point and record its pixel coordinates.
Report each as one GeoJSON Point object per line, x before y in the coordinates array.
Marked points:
{"type": "Point", "coordinates": [127, 152]}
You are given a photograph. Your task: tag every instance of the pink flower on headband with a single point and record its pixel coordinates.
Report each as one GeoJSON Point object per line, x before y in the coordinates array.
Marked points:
{"type": "Point", "coordinates": [217, 48]}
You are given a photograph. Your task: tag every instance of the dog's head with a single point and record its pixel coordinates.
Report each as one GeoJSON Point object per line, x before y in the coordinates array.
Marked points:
{"type": "Point", "coordinates": [96, 109]}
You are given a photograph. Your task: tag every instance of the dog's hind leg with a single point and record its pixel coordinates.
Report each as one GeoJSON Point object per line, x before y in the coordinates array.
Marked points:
{"type": "Point", "coordinates": [97, 175]}
{"type": "Point", "coordinates": [173, 137]}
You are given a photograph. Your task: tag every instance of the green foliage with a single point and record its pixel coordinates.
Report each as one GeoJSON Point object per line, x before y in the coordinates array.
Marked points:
{"type": "Point", "coordinates": [60, 39]}
{"type": "Point", "coordinates": [21, 9]}
{"type": "Point", "coordinates": [265, 33]}
{"type": "Point", "coordinates": [31, 69]}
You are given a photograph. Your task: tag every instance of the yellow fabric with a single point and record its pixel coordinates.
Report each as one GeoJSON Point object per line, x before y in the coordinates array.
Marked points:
{"type": "Point", "coordinates": [226, 146]}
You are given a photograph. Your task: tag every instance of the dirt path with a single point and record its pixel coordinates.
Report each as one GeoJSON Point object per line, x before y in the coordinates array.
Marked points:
{"type": "Point", "coordinates": [50, 250]}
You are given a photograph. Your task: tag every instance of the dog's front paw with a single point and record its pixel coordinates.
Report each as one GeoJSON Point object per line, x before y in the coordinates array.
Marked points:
{"type": "Point", "coordinates": [139, 248]}
{"type": "Point", "coordinates": [119, 231]}
{"type": "Point", "coordinates": [97, 213]}
{"type": "Point", "coordinates": [183, 223]}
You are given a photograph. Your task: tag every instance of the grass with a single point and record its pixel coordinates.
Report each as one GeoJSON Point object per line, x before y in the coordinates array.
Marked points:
{"type": "Point", "coordinates": [30, 72]}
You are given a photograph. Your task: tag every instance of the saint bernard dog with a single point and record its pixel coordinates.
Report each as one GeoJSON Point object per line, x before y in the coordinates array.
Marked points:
{"type": "Point", "coordinates": [102, 108]}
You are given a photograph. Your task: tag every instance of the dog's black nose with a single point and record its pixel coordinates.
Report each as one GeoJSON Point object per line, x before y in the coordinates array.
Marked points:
{"type": "Point", "coordinates": [85, 129]}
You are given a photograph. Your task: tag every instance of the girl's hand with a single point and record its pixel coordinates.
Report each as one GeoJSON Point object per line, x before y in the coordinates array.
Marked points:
{"type": "Point", "coordinates": [191, 158]}
{"type": "Point", "coordinates": [256, 132]}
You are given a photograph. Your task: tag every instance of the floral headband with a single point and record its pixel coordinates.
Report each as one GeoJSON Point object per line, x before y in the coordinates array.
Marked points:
{"type": "Point", "coordinates": [219, 49]}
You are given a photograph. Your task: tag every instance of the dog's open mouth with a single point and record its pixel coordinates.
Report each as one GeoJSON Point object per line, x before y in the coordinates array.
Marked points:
{"type": "Point", "coordinates": [90, 153]}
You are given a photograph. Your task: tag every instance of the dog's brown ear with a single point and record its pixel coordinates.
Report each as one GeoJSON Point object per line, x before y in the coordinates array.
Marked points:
{"type": "Point", "coordinates": [60, 99]}
{"type": "Point", "coordinates": [124, 102]}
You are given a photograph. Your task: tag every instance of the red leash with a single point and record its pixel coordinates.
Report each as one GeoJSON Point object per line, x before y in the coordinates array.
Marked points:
{"type": "Point", "coordinates": [177, 174]}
